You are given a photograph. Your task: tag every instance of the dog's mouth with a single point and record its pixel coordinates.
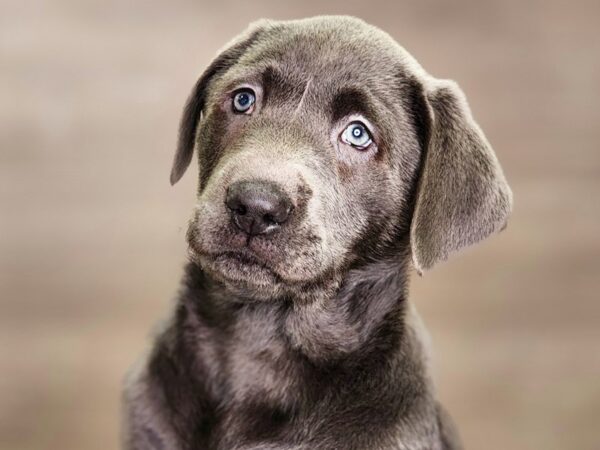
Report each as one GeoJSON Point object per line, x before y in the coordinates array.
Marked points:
{"type": "Point", "coordinates": [241, 260]}
{"type": "Point", "coordinates": [257, 264]}
{"type": "Point", "coordinates": [238, 267]}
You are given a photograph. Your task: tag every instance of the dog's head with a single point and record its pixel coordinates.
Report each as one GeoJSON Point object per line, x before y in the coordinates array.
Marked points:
{"type": "Point", "coordinates": [323, 143]}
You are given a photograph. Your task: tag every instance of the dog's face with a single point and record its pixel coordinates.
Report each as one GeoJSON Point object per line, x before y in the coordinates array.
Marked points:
{"type": "Point", "coordinates": [314, 151]}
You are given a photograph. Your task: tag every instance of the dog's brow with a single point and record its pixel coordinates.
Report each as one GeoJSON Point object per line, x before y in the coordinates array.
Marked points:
{"type": "Point", "coordinates": [348, 101]}
{"type": "Point", "coordinates": [271, 78]}
{"type": "Point", "coordinates": [306, 87]}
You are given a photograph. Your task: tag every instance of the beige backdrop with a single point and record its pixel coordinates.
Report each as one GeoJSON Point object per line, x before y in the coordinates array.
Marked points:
{"type": "Point", "coordinates": [92, 235]}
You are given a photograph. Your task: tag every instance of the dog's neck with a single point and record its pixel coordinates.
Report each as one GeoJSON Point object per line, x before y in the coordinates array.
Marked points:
{"type": "Point", "coordinates": [330, 326]}
{"type": "Point", "coordinates": [348, 321]}
{"type": "Point", "coordinates": [352, 348]}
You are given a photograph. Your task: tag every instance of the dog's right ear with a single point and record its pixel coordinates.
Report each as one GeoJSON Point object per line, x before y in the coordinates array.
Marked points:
{"type": "Point", "coordinates": [196, 101]}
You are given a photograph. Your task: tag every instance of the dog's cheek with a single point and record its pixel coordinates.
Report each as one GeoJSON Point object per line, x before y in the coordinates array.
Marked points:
{"type": "Point", "coordinates": [202, 228]}
{"type": "Point", "coordinates": [351, 214]}
{"type": "Point", "coordinates": [213, 138]}
{"type": "Point", "coordinates": [363, 210]}
{"type": "Point", "coordinates": [210, 213]}
{"type": "Point", "coordinates": [322, 231]}
{"type": "Point", "coordinates": [209, 218]}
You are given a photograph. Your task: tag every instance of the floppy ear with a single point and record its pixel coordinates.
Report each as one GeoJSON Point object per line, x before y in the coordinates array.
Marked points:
{"type": "Point", "coordinates": [196, 101]}
{"type": "Point", "coordinates": [462, 196]}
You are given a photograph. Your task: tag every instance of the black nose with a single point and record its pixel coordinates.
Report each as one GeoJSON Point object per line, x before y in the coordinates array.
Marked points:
{"type": "Point", "coordinates": [258, 207]}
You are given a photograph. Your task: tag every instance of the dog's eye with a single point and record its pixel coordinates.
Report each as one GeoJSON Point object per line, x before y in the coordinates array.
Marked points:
{"type": "Point", "coordinates": [243, 101]}
{"type": "Point", "coordinates": [357, 135]}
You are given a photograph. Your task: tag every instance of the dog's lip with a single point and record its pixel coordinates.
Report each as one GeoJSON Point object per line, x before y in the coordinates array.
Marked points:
{"type": "Point", "coordinates": [242, 258]}
{"type": "Point", "coordinates": [242, 261]}
{"type": "Point", "coordinates": [245, 258]}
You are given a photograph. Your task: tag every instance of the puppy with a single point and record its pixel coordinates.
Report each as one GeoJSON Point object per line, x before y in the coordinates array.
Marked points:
{"type": "Point", "coordinates": [330, 163]}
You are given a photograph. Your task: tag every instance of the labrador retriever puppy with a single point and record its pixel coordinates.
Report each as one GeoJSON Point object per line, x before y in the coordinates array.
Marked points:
{"type": "Point", "coordinates": [330, 164]}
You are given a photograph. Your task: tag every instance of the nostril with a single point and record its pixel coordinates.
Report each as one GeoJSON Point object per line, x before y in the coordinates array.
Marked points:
{"type": "Point", "coordinates": [234, 204]}
{"type": "Point", "coordinates": [278, 213]}
{"type": "Point", "coordinates": [269, 219]}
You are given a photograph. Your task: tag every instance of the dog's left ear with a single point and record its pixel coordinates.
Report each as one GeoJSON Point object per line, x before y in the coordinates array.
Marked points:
{"type": "Point", "coordinates": [196, 101]}
{"type": "Point", "coordinates": [462, 196]}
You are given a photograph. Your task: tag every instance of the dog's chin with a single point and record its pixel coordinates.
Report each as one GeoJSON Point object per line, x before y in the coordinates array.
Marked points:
{"type": "Point", "coordinates": [249, 277]}
{"type": "Point", "coordinates": [241, 267]}
{"type": "Point", "coordinates": [242, 272]}
{"type": "Point", "coordinates": [253, 272]}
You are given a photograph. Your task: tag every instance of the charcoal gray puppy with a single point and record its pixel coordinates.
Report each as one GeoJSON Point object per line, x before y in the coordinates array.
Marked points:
{"type": "Point", "coordinates": [330, 164]}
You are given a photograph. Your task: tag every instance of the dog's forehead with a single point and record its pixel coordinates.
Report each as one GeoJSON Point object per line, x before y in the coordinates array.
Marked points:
{"type": "Point", "coordinates": [328, 48]}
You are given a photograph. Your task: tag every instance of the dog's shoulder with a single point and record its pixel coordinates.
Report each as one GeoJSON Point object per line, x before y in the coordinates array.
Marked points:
{"type": "Point", "coordinates": [142, 411]}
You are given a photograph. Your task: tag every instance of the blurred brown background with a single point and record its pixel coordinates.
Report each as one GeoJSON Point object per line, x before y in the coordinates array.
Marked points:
{"type": "Point", "coordinates": [92, 235]}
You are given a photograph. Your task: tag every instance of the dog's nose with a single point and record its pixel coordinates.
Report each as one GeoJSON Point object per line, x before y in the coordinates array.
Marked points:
{"type": "Point", "coordinates": [258, 207]}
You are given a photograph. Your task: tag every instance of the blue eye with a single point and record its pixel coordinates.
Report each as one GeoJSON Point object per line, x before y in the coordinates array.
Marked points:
{"type": "Point", "coordinates": [357, 135]}
{"type": "Point", "coordinates": [243, 100]}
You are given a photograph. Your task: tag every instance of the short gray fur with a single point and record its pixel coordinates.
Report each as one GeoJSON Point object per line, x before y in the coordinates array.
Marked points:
{"type": "Point", "coordinates": [304, 338]}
